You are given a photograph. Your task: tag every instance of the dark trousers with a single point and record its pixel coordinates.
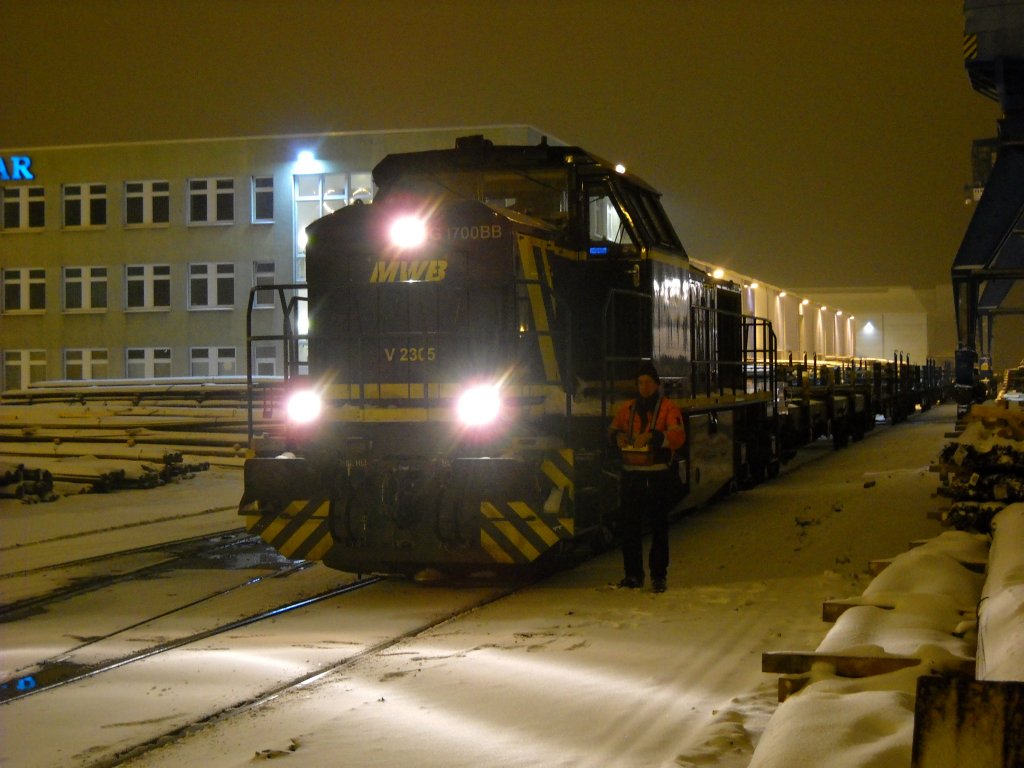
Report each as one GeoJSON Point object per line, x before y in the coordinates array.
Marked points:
{"type": "Point", "coordinates": [645, 495]}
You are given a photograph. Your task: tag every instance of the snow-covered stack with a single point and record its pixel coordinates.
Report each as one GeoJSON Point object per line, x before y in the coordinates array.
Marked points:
{"type": "Point", "coordinates": [1013, 385]}
{"type": "Point", "coordinates": [982, 470]}
{"type": "Point", "coordinates": [1001, 611]}
{"type": "Point", "coordinates": [917, 617]}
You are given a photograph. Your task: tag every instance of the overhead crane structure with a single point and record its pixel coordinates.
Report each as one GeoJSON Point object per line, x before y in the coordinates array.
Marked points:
{"type": "Point", "coordinates": [990, 260]}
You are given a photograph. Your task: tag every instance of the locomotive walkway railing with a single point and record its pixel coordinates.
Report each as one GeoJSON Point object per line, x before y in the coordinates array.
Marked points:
{"type": "Point", "coordinates": [732, 353]}
{"type": "Point", "coordinates": [289, 296]}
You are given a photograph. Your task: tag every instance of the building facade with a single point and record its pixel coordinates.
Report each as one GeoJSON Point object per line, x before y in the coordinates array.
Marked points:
{"type": "Point", "coordinates": [136, 261]}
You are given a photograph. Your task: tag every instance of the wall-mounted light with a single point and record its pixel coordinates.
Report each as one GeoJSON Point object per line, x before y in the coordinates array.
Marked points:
{"type": "Point", "coordinates": [306, 162]}
{"type": "Point", "coordinates": [823, 308]}
{"type": "Point", "coordinates": [718, 274]}
{"type": "Point", "coordinates": [755, 286]}
{"type": "Point", "coordinates": [782, 294]}
{"type": "Point", "coordinates": [839, 313]}
{"type": "Point", "coordinates": [869, 328]}
{"type": "Point", "coordinates": [805, 302]}
{"type": "Point", "coordinates": [620, 168]}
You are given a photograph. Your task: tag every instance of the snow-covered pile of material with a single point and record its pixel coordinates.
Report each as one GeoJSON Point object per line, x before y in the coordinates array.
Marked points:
{"type": "Point", "coordinates": [983, 468]}
{"type": "Point", "coordinates": [1001, 612]}
{"type": "Point", "coordinates": [921, 605]}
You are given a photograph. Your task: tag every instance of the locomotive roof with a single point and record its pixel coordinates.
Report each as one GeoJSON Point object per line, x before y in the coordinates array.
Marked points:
{"type": "Point", "coordinates": [476, 152]}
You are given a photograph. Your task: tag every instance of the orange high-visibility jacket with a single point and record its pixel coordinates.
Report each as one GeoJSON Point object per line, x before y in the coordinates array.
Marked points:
{"type": "Point", "coordinates": [668, 420]}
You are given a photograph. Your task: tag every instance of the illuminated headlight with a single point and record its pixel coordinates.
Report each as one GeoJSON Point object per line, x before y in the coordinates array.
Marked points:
{"type": "Point", "coordinates": [408, 232]}
{"type": "Point", "coordinates": [303, 407]}
{"type": "Point", "coordinates": [479, 406]}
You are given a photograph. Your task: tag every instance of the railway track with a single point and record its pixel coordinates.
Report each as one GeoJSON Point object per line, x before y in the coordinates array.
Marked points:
{"type": "Point", "coordinates": [57, 671]}
{"type": "Point", "coordinates": [129, 564]}
{"type": "Point", "coordinates": [90, 577]}
{"type": "Point", "coordinates": [177, 634]}
{"type": "Point", "coordinates": [294, 684]}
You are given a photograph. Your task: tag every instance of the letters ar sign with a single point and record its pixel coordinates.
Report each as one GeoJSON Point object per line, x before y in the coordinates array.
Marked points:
{"type": "Point", "coordinates": [16, 168]}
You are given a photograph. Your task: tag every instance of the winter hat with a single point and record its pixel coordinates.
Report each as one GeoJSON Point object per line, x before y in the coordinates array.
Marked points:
{"type": "Point", "coordinates": [647, 369]}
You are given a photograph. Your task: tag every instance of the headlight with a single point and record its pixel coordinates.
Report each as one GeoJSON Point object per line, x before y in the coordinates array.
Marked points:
{"type": "Point", "coordinates": [408, 232]}
{"type": "Point", "coordinates": [303, 406]}
{"type": "Point", "coordinates": [479, 406]}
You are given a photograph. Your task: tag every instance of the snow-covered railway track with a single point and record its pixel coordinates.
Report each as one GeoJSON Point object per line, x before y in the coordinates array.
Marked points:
{"type": "Point", "coordinates": [104, 599]}
{"type": "Point", "coordinates": [91, 573]}
{"type": "Point", "coordinates": [127, 756]}
{"type": "Point", "coordinates": [160, 680]}
{"type": "Point", "coordinates": [62, 670]}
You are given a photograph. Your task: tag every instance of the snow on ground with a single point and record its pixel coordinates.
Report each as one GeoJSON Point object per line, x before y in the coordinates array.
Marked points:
{"type": "Point", "coordinates": [574, 672]}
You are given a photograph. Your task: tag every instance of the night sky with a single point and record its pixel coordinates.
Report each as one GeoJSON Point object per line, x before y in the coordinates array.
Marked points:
{"type": "Point", "coordinates": [806, 142]}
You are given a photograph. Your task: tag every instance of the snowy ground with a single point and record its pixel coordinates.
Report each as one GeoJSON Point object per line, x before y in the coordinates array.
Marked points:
{"type": "Point", "coordinates": [572, 672]}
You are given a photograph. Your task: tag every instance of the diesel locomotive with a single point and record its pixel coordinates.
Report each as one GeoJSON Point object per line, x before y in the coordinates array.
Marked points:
{"type": "Point", "coordinates": [469, 332]}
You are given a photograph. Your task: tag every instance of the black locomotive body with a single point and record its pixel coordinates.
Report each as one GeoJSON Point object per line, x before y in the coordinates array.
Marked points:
{"type": "Point", "coordinates": [470, 332]}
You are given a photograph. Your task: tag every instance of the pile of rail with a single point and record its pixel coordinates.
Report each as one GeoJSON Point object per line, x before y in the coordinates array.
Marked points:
{"type": "Point", "coordinates": [982, 468]}
{"type": "Point", "coordinates": [63, 438]}
{"type": "Point", "coordinates": [44, 479]}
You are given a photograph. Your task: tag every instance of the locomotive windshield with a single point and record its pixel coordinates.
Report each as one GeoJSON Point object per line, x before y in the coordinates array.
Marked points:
{"type": "Point", "coordinates": [540, 193]}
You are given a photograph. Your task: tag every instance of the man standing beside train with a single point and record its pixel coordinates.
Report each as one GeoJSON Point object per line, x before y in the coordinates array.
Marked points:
{"type": "Point", "coordinates": [648, 430]}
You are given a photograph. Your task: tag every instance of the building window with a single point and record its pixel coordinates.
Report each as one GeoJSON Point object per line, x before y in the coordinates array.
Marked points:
{"type": "Point", "coordinates": [85, 288]}
{"type": "Point", "coordinates": [361, 187]}
{"type": "Point", "coordinates": [262, 199]}
{"type": "Point", "coordinates": [211, 201]}
{"type": "Point", "coordinates": [24, 290]}
{"type": "Point", "coordinates": [213, 361]}
{"type": "Point", "coordinates": [85, 205]}
{"type": "Point", "coordinates": [24, 209]}
{"type": "Point", "coordinates": [263, 273]}
{"type": "Point", "coordinates": [211, 285]}
{"type": "Point", "coordinates": [147, 203]}
{"type": "Point", "coordinates": [148, 286]}
{"type": "Point", "coordinates": [148, 363]}
{"type": "Point", "coordinates": [264, 360]}
{"type": "Point", "coordinates": [23, 366]}
{"type": "Point", "coordinates": [82, 364]}
{"type": "Point", "coordinates": [318, 195]}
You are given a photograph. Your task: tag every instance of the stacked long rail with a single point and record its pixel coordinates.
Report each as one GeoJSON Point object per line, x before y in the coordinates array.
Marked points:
{"type": "Point", "coordinates": [114, 435]}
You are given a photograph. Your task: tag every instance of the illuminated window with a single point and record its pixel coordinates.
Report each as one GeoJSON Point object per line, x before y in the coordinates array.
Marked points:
{"type": "Point", "coordinates": [148, 363]}
{"type": "Point", "coordinates": [262, 199]}
{"type": "Point", "coordinates": [24, 290]}
{"type": "Point", "coordinates": [212, 361]}
{"type": "Point", "coordinates": [147, 203]}
{"type": "Point", "coordinates": [24, 209]}
{"type": "Point", "coordinates": [85, 205]}
{"type": "Point", "coordinates": [82, 364]}
{"type": "Point", "coordinates": [320, 194]}
{"type": "Point", "coordinates": [211, 286]}
{"type": "Point", "coordinates": [85, 288]}
{"type": "Point", "coordinates": [211, 201]}
{"type": "Point", "coordinates": [23, 366]}
{"type": "Point", "coordinates": [361, 187]}
{"type": "Point", "coordinates": [147, 286]}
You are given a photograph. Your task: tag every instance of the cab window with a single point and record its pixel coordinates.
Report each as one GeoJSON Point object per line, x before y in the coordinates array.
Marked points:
{"type": "Point", "coordinates": [608, 232]}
